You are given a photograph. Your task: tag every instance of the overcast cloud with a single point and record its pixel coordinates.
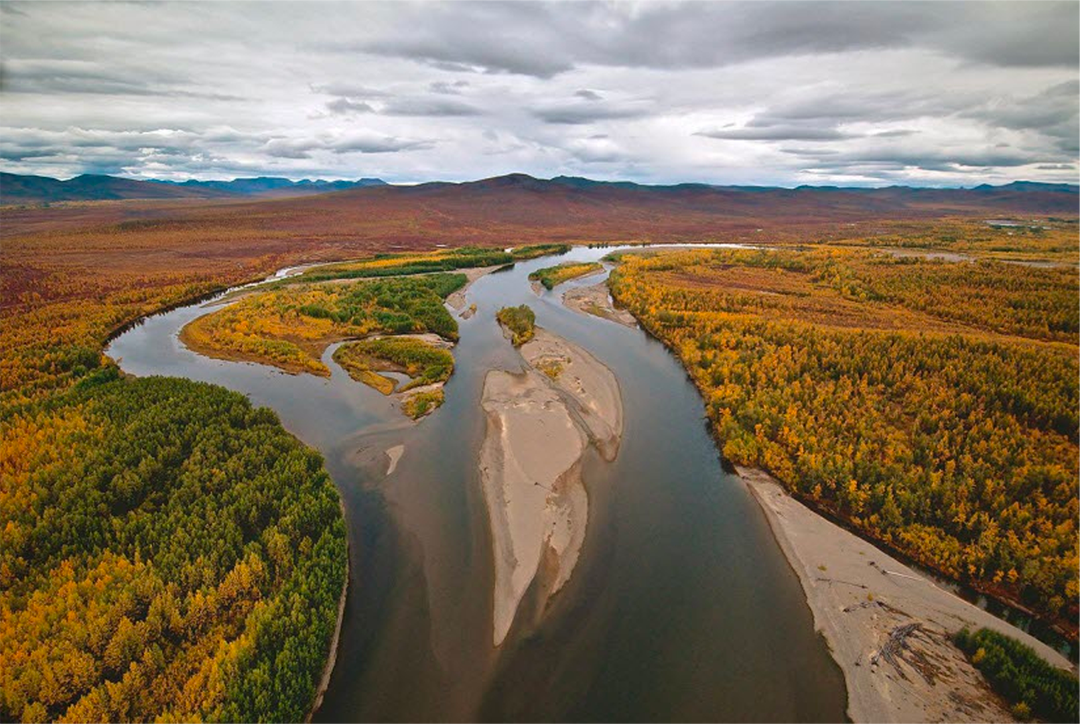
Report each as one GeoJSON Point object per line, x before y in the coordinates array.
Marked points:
{"type": "Point", "coordinates": [747, 93]}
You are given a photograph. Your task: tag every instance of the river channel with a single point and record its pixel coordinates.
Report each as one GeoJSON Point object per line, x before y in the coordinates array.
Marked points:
{"type": "Point", "coordinates": [681, 607]}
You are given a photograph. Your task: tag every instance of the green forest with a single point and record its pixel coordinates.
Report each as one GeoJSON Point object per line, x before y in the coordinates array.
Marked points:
{"type": "Point", "coordinates": [1033, 687]}
{"type": "Point", "coordinates": [169, 552]}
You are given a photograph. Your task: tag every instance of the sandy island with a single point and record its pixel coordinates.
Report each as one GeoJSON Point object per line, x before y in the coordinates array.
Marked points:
{"type": "Point", "coordinates": [860, 596]}
{"type": "Point", "coordinates": [590, 388]}
{"type": "Point", "coordinates": [538, 428]}
{"type": "Point", "coordinates": [595, 300]}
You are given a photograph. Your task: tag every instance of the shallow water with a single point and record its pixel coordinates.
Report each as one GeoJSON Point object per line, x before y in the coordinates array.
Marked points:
{"type": "Point", "coordinates": [682, 606]}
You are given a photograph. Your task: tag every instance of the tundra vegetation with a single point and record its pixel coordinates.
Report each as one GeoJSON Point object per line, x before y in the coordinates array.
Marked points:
{"type": "Point", "coordinates": [931, 404]}
{"type": "Point", "coordinates": [1034, 688]}
{"type": "Point", "coordinates": [521, 321]}
{"type": "Point", "coordinates": [552, 276]}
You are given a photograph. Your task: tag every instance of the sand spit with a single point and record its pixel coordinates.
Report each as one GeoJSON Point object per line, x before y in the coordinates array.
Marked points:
{"type": "Point", "coordinates": [529, 468]}
{"type": "Point", "coordinates": [457, 299]}
{"type": "Point", "coordinates": [589, 387]}
{"type": "Point", "coordinates": [393, 454]}
{"type": "Point", "coordinates": [595, 300]}
{"type": "Point", "coordinates": [860, 595]}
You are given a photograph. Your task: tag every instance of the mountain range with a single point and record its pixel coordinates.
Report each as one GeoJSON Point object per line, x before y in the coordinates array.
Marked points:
{"type": "Point", "coordinates": [20, 189]}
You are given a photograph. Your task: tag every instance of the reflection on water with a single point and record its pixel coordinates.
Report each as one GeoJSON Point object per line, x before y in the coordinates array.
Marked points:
{"type": "Point", "coordinates": [681, 607]}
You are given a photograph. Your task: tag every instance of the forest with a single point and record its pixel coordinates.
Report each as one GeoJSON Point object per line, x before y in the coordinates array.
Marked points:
{"type": "Point", "coordinates": [552, 276]}
{"type": "Point", "coordinates": [931, 404]}
{"type": "Point", "coordinates": [169, 551]}
{"type": "Point", "coordinates": [1034, 688]}
{"type": "Point", "coordinates": [288, 326]}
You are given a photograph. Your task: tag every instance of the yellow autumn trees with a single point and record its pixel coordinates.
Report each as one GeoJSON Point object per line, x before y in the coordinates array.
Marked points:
{"type": "Point", "coordinates": [932, 404]}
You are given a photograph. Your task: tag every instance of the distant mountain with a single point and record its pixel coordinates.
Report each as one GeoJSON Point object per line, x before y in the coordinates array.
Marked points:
{"type": "Point", "coordinates": [522, 205]}
{"type": "Point", "coordinates": [20, 189]}
{"type": "Point", "coordinates": [277, 186]}
{"type": "Point", "coordinates": [1026, 186]}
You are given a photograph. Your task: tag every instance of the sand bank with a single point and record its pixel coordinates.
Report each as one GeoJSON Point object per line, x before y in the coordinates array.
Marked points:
{"type": "Point", "coordinates": [529, 468]}
{"type": "Point", "coordinates": [539, 424]}
{"type": "Point", "coordinates": [595, 300]}
{"type": "Point", "coordinates": [589, 387]}
{"type": "Point", "coordinates": [456, 300]}
{"type": "Point", "coordinates": [393, 454]}
{"type": "Point", "coordinates": [859, 595]}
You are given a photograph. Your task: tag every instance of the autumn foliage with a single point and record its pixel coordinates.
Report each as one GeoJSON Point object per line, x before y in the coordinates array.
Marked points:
{"type": "Point", "coordinates": [932, 404]}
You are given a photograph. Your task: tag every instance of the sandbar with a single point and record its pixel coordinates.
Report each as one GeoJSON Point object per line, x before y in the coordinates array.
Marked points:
{"type": "Point", "coordinates": [529, 468]}
{"type": "Point", "coordinates": [859, 595]}
{"type": "Point", "coordinates": [596, 300]}
{"type": "Point", "coordinates": [590, 388]}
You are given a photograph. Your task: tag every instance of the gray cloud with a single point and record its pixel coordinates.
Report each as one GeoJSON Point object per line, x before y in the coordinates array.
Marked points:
{"type": "Point", "coordinates": [344, 105]}
{"type": "Point", "coordinates": [543, 40]}
{"type": "Point", "coordinates": [436, 107]}
{"type": "Point", "coordinates": [590, 111]}
{"type": "Point", "coordinates": [776, 133]}
{"type": "Point", "coordinates": [357, 142]}
{"type": "Point", "coordinates": [721, 92]}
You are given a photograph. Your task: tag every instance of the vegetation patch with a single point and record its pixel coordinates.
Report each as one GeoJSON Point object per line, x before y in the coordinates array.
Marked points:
{"type": "Point", "coordinates": [423, 362]}
{"type": "Point", "coordinates": [521, 321]}
{"type": "Point", "coordinates": [290, 326]}
{"type": "Point", "coordinates": [552, 276]}
{"type": "Point", "coordinates": [932, 405]}
{"type": "Point", "coordinates": [422, 403]}
{"type": "Point", "coordinates": [551, 367]}
{"type": "Point", "coordinates": [1033, 687]}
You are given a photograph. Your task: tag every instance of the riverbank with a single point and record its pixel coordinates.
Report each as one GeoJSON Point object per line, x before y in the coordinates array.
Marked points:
{"type": "Point", "coordinates": [331, 657]}
{"type": "Point", "coordinates": [539, 424]}
{"type": "Point", "coordinates": [860, 596]}
{"type": "Point", "coordinates": [456, 300]}
{"type": "Point", "coordinates": [595, 300]}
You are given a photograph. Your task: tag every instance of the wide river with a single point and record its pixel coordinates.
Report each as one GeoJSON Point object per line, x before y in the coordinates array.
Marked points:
{"type": "Point", "coordinates": [682, 606]}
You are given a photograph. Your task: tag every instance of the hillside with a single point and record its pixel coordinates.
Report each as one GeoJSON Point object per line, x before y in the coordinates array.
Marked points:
{"type": "Point", "coordinates": [518, 207]}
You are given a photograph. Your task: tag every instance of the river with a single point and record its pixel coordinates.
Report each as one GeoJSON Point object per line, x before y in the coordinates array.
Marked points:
{"type": "Point", "coordinates": [682, 606]}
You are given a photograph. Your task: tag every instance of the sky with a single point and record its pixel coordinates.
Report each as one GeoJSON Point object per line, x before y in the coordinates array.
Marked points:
{"type": "Point", "coordinates": [790, 93]}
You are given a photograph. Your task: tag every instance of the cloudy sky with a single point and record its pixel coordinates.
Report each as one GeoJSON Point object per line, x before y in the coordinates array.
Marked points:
{"type": "Point", "coordinates": [656, 92]}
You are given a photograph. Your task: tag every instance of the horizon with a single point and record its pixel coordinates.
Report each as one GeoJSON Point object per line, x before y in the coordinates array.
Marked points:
{"type": "Point", "coordinates": [729, 94]}
{"type": "Point", "coordinates": [354, 179]}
